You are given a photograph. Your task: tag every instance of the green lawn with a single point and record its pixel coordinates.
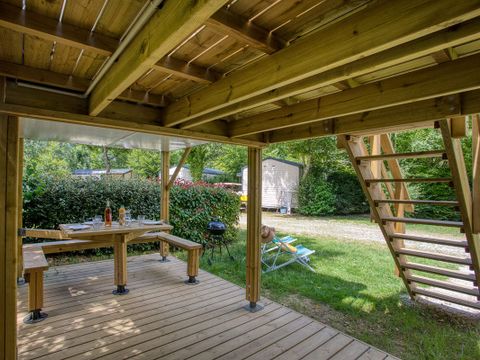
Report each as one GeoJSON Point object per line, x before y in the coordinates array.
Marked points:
{"type": "Point", "coordinates": [354, 290]}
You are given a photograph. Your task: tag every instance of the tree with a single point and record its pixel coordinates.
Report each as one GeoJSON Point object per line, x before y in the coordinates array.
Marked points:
{"type": "Point", "coordinates": [145, 163]}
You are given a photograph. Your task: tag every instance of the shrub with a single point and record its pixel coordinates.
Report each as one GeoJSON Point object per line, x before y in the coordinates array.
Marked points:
{"type": "Point", "coordinates": [324, 193]}
{"type": "Point", "coordinates": [49, 202]}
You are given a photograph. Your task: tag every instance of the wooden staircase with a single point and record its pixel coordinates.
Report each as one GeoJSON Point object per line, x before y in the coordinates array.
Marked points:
{"type": "Point", "coordinates": [378, 168]}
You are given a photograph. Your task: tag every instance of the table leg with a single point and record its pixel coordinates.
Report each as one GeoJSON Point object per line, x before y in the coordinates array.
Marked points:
{"type": "Point", "coordinates": [120, 261]}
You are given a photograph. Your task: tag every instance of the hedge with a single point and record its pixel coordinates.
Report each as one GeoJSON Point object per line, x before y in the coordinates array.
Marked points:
{"type": "Point", "coordinates": [323, 192]}
{"type": "Point", "coordinates": [49, 202]}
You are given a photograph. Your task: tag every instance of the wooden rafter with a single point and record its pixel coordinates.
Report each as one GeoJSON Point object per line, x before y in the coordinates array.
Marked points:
{"type": "Point", "coordinates": [401, 117]}
{"type": "Point", "coordinates": [27, 22]}
{"type": "Point", "coordinates": [447, 78]}
{"type": "Point", "coordinates": [462, 33]}
{"type": "Point", "coordinates": [176, 20]}
{"type": "Point", "coordinates": [63, 81]}
{"type": "Point", "coordinates": [374, 29]}
{"type": "Point", "coordinates": [476, 174]}
{"type": "Point", "coordinates": [41, 104]}
{"type": "Point", "coordinates": [185, 70]}
{"type": "Point", "coordinates": [245, 31]}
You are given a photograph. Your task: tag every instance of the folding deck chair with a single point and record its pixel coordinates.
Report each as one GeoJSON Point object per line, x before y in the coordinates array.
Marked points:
{"type": "Point", "coordinates": [278, 248]}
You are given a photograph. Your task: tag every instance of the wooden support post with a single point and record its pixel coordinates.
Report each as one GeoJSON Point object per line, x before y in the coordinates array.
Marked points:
{"type": "Point", "coordinates": [165, 200]}
{"type": "Point", "coordinates": [120, 265]}
{"type": "Point", "coordinates": [35, 297]}
{"type": "Point", "coordinates": [8, 234]}
{"type": "Point", "coordinates": [476, 174]}
{"type": "Point", "coordinates": [193, 264]}
{"type": "Point", "coordinates": [20, 211]}
{"type": "Point", "coordinates": [254, 221]}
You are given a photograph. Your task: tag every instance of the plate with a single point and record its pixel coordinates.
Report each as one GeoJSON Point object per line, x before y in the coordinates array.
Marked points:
{"type": "Point", "coordinates": [152, 222]}
{"type": "Point", "coordinates": [78, 227]}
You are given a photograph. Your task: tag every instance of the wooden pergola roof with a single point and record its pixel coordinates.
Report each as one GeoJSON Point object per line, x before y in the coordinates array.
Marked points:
{"type": "Point", "coordinates": [249, 72]}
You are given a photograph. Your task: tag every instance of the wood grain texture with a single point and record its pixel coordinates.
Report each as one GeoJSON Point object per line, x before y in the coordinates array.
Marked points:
{"type": "Point", "coordinates": [254, 222]}
{"type": "Point", "coordinates": [175, 21]}
{"type": "Point", "coordinates": [377, 28]}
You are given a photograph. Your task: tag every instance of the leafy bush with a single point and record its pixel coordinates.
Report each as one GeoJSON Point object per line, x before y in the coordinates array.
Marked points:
{"type": "Point", "coordinates": [324, 193]}
{"type": "Point", "coordinates": [49, 202]}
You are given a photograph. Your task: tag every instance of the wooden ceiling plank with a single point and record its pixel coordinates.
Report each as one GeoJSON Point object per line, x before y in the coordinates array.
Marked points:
{"type": "Point", "coordinates": [462, 33]}
{"type": "Point", "coordinates": [40, 104]}
{"type": "Point", "coordinates": [245, 31]}
{"type": "Point", "coordinates": [185, 70]}
{"type": "Point", "coordinates": [447, 78]}
{"type": "Point", "coordinates": [400, 117]}
{"type": "Point", "coordinates": [175, 21]}
{"type": "Point", "coordinates": [30, 23]}
{"type": "Point", "coordinates": [381, 26]}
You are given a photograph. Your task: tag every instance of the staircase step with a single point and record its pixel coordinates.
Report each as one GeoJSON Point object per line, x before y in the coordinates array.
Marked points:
{"type": "Point", "coordinates": [457, 243]}
{"type": "Point", "coordinates": [458, 224]}
{"type": "Point", "coordinates": [419, 202]}
{"type": "Point", "coordinates": [469, 290]}
{"type": "Point", "coordinates": [409, 155]}
{"type": "Point", "coordinates": [440, 271]}
{"type": "Point", "coordinates": [438, 295]}
{"type": "Point", "coordinates": [435, 256]}
{"type": "Point", "coordinates": [411, 180]}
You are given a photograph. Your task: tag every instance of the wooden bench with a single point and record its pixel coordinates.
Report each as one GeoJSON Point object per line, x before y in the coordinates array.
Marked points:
{"type": "Point", "coordinates": [35, 262]}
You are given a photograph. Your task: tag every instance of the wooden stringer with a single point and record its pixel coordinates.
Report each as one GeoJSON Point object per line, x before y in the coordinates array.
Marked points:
{"type": "Point", "coordinates": [422, 262]}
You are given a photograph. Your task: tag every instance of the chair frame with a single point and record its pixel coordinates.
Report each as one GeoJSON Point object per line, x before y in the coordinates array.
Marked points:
{"type": "Point", "coordinates": [270, 261]}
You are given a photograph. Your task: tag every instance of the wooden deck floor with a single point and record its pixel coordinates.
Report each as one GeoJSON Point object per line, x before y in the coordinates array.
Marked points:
{"type": "Point", "coordinates": [162, 317]}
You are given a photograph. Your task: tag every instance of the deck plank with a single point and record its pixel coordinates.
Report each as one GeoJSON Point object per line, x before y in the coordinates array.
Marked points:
{"type": "Point", "coordinates": [162, 317]}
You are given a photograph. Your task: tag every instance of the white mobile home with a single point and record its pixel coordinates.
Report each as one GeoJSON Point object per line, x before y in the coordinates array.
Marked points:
{"type": "Point", "coordinates": [280, 180]}
{"type": "Point", "coordinates": [186, 174]}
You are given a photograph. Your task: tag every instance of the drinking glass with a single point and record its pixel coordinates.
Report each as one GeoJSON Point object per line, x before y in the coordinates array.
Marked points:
{"type": "Point", "coordinates": [141, 219]}
{"type": "Point", "coordinates": [97, 221]}
{"type": "Point", "coordinates": [128, 217]}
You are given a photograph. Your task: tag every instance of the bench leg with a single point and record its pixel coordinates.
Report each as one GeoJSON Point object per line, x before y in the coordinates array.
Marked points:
{"type": "Point", "coordinates": [35, 298]}
{"type": "Point", "coordinates": [164, 251]}
{"type": "Point", "coordinates": [193, 263]}
{"type": "Point", "coordinates": [120, 264]}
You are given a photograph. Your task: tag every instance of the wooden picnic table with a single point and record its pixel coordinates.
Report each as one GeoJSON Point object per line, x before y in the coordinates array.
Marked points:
{"type": "Point", "coordinates": [119, 236]}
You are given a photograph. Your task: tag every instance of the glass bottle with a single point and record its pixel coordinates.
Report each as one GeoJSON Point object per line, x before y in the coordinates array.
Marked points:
{"type": "Point", "coordinates": [121, 216]}
{"type": "Point", "coordinates": [108, 214]}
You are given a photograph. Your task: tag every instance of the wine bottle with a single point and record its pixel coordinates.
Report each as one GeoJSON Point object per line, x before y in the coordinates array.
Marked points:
{"type": "Point", "coordinates": [108, 214]}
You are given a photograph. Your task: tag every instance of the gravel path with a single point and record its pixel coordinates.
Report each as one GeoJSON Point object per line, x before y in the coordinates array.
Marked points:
{"type": "Point", "coordinates": [345, 229]}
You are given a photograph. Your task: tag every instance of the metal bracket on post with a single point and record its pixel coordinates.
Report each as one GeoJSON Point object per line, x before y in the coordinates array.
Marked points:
{"type": "Point", "coordinates": [253, 307]}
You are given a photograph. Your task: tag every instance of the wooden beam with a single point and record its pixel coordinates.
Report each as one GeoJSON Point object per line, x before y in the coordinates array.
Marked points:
{"type": "Point", "coordinates": [234, 25]}
{"type": "Point", "coordinates": [452, 36]}
{"type": "Point", "coordinates": [167, 27]}
{"type": "Point", "coordinates": [380, 26]}
{"type": "Point", "coordinates": [402, 117]}
{"type": "Point", "coordinates": [20, 207]}
{"type": "Point", "coordinates": [476, 173]}
{"type": "Point", "coordinates": [41, 104]}
{"type": "Point", "coordinates": [443, 79]}
{"type": "Point", "coordinates": [47, 77]}
{"type": "Point", "coordinates": [182, 161]}
{"type": "Point", "coordinates": [28, 22]}
{"type": "Point", "coordinates": [9, 130]}
{"type": "Point", "coordinates": [458, 127]}
{"type": "Point", "coordinates": [254, 222]}
{"type": "Point", "coordinates": [185, 70]}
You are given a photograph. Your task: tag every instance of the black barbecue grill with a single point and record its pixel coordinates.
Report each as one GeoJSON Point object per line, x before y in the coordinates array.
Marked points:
{"type": "Point", "coordinates": [216, 230]}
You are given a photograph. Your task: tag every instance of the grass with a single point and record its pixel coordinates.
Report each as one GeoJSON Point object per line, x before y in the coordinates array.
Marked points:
{"type": "Point", "coordinates": [355, 291]}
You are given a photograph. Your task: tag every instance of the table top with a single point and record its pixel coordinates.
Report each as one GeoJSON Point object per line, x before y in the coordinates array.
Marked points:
{"type": "Point", "coordinates": [114, 229]}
